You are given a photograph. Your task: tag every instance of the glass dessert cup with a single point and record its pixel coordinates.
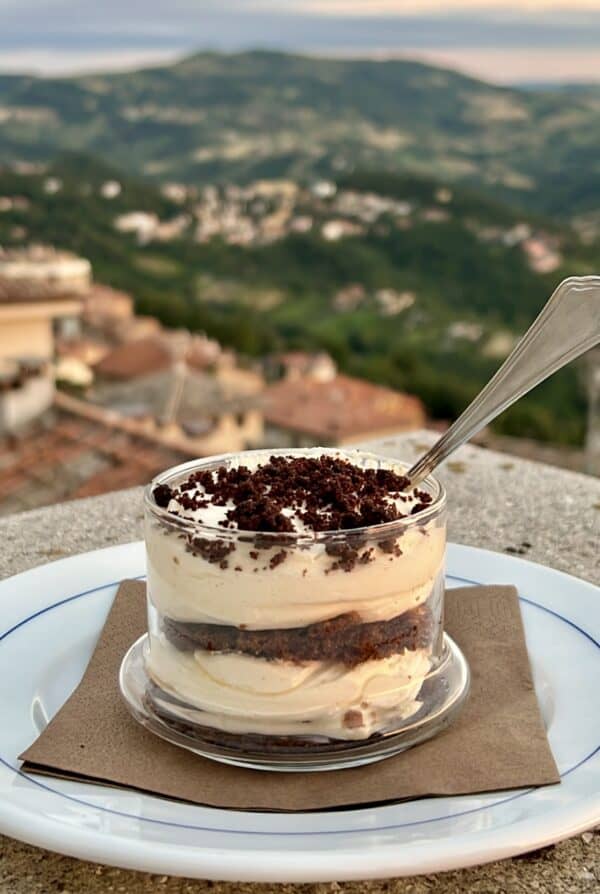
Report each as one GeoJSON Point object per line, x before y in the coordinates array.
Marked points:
{"type": "Point", "coordinates": [295, 650]}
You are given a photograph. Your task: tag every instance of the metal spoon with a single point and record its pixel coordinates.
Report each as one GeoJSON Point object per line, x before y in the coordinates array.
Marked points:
{"type": "Point", "coordinates": [568, 326]}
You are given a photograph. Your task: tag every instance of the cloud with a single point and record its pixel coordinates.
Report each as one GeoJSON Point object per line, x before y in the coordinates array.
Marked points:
{"type": "Point", "coordinates": [415, 7]}
{"type": "Point", "coordinates": [319, 25]}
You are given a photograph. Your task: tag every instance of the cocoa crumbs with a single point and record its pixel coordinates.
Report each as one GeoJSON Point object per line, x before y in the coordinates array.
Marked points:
{"type": "Point", "coordinates": [162, 494]}
{"type": "Point", "coordinates": [213, 550]}
{"type": "Point", "coordinates": [326, 493]}
{"type": "Point", "coordinates": [366, 557]}
{"type": "Point", "coordinates": [278, 558]}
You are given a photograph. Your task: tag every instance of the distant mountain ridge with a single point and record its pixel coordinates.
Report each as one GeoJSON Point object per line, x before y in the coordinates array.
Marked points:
{"type": "Point", "coordinates": [238, 117]}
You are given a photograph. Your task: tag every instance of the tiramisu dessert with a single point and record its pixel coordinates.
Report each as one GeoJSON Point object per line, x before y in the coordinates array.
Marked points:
{"type": "Point", "coordinates": [294, 597]}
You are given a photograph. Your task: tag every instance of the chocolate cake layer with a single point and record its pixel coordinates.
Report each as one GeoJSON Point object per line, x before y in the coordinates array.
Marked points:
{"type": "Point", "coordinates": [345, 639]}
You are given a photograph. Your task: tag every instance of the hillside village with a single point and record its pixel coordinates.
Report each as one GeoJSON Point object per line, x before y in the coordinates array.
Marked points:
{"type": "Point", "coordinates": [209, 314]}
{"type": "Point", "coordinates": [265, 211]}
{"type": "Point", "coordinates": [105, 398]}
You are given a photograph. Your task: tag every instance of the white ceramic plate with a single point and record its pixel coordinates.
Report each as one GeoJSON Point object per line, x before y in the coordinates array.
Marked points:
{"type": "Point", "coordinates": [50, 618]}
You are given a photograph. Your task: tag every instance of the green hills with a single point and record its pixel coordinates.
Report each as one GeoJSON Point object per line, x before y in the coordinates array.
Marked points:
{"type": "Point", "coordinates": [458, 279]}
{"type": "Point", "coordinates": [238, 117]}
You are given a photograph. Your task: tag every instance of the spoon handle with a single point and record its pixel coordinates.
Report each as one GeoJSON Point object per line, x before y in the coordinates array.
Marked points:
{"type": "Point", "coordinates": [568, 326]}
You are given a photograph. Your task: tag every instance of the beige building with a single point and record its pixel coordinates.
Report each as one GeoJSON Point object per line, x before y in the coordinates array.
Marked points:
{"type": "Point", "coordinates": [27, 329]}
{"type": "Point", "coordinates": [40, 292]}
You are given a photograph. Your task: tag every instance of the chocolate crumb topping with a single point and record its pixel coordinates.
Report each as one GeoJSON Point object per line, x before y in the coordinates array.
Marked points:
{"type": "Point", "coordinates": [324, 493]}
{"type": "Point", "coordinates": [214, 551]}
{"type": "Point", "coordinates": [390, 545]}
{"type": "Point", "coordinates": [162, 494]}
{"type": "Point", "coordinates": [418, 507]}
{"type": "Point", "coordinates": [348, 555]}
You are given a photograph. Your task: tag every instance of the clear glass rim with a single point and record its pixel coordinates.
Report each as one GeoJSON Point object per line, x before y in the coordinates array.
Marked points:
{"type": "Point", "coordinates": [431, 483]}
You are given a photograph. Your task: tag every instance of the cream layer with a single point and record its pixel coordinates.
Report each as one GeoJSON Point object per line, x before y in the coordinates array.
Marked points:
{"type": "Point", "coordinates": [242, 694]}
{"type": "Point", "coordinates": [301, 590]}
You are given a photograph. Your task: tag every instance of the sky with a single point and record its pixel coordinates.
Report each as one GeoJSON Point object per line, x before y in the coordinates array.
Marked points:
{"type": "Point", "coordinates": [528, 41]}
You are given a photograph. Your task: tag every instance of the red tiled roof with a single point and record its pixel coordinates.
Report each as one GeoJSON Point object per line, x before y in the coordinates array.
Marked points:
{"type": "Point", "coordinates": [135, 358]}
{"type": "Point", "coordinates": [341, 408]}
{"type": "Point", "coordinates": [70, 457]}
{"type": "Point", "coordinates": [102, 303]}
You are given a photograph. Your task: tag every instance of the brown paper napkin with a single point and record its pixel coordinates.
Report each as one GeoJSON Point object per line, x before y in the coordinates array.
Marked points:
{"type": "Point", "coordinates": [498, 741]}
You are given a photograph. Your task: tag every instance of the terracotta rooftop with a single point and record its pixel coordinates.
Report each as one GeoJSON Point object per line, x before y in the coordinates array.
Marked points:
{"type": "Point", "coordinates": [340, 409]}
{"type": "Point", "coordinates": [134, 359]}
{"type": "Point", "coordinates": [65, 457]}
{"type": "Point", "coordinates": [103, 303]}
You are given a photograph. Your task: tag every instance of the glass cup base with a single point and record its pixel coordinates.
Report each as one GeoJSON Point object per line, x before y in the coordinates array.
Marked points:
{"type": "Point", "coordinates": [443, 693]}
